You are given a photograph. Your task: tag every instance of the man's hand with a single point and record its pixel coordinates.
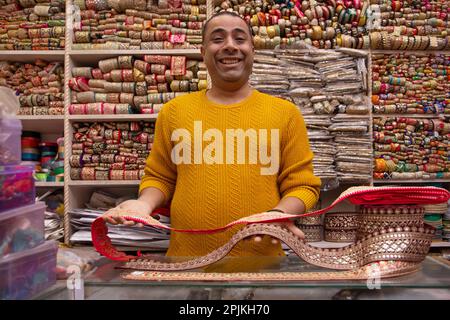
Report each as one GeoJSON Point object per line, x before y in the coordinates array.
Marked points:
{"type": "Point", "coordinates": [137, 208]}
{"type": "Point", "coordinates": [289, 226]}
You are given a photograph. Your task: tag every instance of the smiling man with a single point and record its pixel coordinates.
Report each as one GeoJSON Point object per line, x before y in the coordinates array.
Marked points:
{"type": "Point", "coordinates": [211, 148]}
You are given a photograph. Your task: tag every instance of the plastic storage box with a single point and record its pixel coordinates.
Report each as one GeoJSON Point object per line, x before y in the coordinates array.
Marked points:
{"type": "Point", "coordinates": [25, 274]}
{"type": "Point", "coordinates": [16, 187]}
{"type": "Point", "coordinates": [10, 145]}
{"type": "Point", "coordinates": [21, 228]}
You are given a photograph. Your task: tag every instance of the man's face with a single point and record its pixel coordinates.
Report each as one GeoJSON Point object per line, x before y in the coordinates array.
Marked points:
{"type": "Point", "coordinates": [228, 51]}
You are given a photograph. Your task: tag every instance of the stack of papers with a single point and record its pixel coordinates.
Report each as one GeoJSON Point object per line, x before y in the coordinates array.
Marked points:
{"type": "Point", "coordinates": [131, 238]}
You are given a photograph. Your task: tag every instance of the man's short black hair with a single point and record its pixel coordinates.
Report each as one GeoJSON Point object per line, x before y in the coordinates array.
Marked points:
{"type": "Point", "coordinates": [225, 13]}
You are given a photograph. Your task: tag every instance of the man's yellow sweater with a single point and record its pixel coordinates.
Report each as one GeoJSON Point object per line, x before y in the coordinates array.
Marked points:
{"type": "Point", "coordinates": [219, 182]}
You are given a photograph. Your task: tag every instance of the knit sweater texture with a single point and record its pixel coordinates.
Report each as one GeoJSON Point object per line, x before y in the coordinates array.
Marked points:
{"type": "Point", "coordinates": [223, 183]}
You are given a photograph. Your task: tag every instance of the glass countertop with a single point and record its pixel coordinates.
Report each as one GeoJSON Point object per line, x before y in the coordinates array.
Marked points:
{"type": "Point", "coordinates": [433, 274]}
{"type": "Point", "coordinates": [105, 282]}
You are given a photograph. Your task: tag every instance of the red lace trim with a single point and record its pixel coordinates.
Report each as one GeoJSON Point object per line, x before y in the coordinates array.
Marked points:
{"type": "Point", "coordinates": [369, 196]}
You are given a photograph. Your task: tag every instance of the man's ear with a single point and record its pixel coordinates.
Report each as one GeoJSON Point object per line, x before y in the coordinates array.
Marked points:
{"type": "Point", "coordinates": [202, 50]}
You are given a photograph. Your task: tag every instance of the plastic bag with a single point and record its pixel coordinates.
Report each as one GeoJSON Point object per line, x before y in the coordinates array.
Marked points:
{"type": "Point", "coordinates": [10, 128]}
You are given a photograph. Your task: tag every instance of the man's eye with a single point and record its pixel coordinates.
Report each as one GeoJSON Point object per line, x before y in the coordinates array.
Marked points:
{"type": "Point", "coordinates": [217, 39]}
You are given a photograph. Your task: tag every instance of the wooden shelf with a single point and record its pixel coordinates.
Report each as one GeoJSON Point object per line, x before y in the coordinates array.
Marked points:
{"type": "Point", "coordinates": [42, 184]}
{"type": "Point", "coordinates": [112, 117]}
{"type": "Point", "coordinates": [32, 55]}
{"type": "Point", "coordinates": [440, 244]}
{"type": "Point", "coordinates": [36, 118]}
{"type": "Point", "coordinates": [410, 181]}
{"type": "Point", "coordinates": [108, 183]}
{"type": "Point", "coordinates": [43, 124]}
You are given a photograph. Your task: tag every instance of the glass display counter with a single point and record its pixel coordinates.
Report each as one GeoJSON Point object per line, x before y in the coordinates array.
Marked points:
{"type": "Point", "coordinates": [432, 281]}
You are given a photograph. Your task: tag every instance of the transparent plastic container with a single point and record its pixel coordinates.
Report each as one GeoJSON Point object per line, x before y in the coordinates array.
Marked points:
{"type": "Point", "coordinates": [16, 187]}
{"type": "Point", "coordinates": [22, 228]}
{"type": "Point", "coordinates": [27, 273]}
{"type": "Point", "coordinates": [10, 146]}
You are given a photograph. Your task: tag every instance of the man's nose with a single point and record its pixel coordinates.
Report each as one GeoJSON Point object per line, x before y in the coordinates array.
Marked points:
{"type": "Point", "coordinates": [230, 44]}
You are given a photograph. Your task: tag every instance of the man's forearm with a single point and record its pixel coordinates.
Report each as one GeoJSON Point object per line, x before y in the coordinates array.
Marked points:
{"type": "Point", "coordinates": [291, 205]}
{"type": "Point", "coordinates": [153, 196]}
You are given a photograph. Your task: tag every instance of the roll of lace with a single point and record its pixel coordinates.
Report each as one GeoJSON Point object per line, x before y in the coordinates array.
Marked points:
{"type": "Point", "coordinates": [435, 215]}
{"type": "Point", "coordinates": [32, 25]}
{"type": "Point", "coordinates": [110, 151]}
{"type": "Point", "coordinates": [405, 25]}
{"type": "Point", "coordinates": [424, 89]}
{"type": "Point", "coordinates": [374, 218]}
{"type": "Point", "coordinates": [124, 84]}
{"type": "Point", "coordinates": [312, 233]}
{"type": "Point", "coordinates": [126, 24]}
{"type": "Point", "coordinates": [435, 220]}
{"type": "Point", "coordinates": [341, 226]}
{"type": "Point", "coordinates": [39, 85]}
{"type": "Point", "coordinates": [411, 148]}
{"type": "Point", "coordinates": [320, 24]}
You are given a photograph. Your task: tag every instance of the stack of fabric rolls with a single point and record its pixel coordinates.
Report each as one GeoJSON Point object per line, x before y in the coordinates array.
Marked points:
{"type": "Point", "coordinates": [341, 226]}
{"type": "Point", "coordinates": [411, 83]}
{"type": "Point", "coordinates": [411, 148]}
{"type": "Point", "coordinates": [48, 153]}
{"type": "Point", "coordinates": [30, 147]}
{"type": "Point", "coordinates": [32, 24]}
{"type": "Point", "coordinates": [51, 163]}
{"type": "Point", "coordinates": [409, 25]}
{"type": "Point", "coordinates": [434, 216]}
{"type": "Point", "coordinates": [330, 89]}
{"type": "Point", "coordinates": [126, 85]}
{"type": "Point", "coordinates": [446, 224]}
{"type": "Point", "coordinates": [312, 227]}
{"type": "Point", "coordinates": [44, 156]}
{"type": "Point", "coordinates": [323, 24]}
{"type": "Point", "coordinates": [40, 86]}
{"type": "Point", "coordinates": [58, 164]}
{"type": "Point", "coordinates": [138, 24]}
{"type": "Point", "coordinates": [110, 151]}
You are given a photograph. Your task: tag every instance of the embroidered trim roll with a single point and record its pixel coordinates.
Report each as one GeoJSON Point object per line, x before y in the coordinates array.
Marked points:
{"type": "Point", "coordinates": [322, 25]}
{"type": "Point", "coordinates": [110, 151]}
{"type": "Point", "coordinates": [39, 86]}
{"type": "Point", "coordinates": [32, 26]}
{"type": "Point", "coordinates": [126, 24]}
{"type": "Point", "coordinates": [123, 84]}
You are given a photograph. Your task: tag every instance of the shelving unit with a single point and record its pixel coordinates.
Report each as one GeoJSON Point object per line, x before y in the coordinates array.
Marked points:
{"type": "Point", "coordinates": [41, 118]}
{"type": "Point", "coordinates": [49, 125]}
{"type": "Point", "coordinates": [53, 126]}
{"type": "Point", "coordinates": [412, 115]}
{"type": "Point", "coordinates": [75, 191]}
{"type": "Point", "coordinates": [41, 184]}
{"type": "Point", "coordinates": [440, 244]}
{"type": "Point", "coordinates": [30, 55]}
